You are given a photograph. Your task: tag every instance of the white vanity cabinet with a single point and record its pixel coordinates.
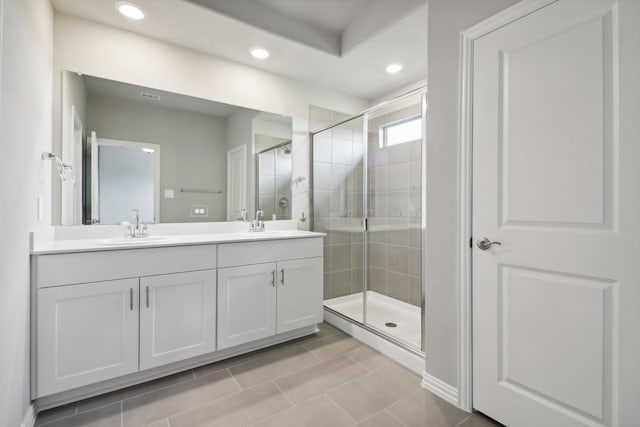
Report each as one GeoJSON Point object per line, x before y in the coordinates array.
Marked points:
{"type": "Point", "coordinates": [267, 288]}
{"type": "Point", "coordinates": [86, 333]}
{"type": "Point", "coordinates": [106, 319]}
{"type": "Point", "coordinates": [177, 317]}
{"type": "Point", "coordinates": [246, 304]}
{"type": "Point", "coordinates": [300, 287]}
{"type": "Point", "coordinates": [94, 321]}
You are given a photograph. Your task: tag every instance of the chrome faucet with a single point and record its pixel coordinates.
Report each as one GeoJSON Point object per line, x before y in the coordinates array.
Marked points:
{"type": "Point", "coordinates": [134, 230]}
{"type": "Point", "coordinates": [257, 225]}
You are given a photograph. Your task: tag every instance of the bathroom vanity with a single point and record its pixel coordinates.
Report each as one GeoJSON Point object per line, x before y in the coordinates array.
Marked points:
{"type": "Point", "coordinates": [107, 315]}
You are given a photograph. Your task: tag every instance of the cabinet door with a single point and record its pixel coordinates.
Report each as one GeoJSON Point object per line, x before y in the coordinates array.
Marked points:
{"type": "Point", "coordinates": [299, 293]}
{"type": "Point", "coordinates": [177, 317]}
{"type": "Point", "coordinates": [246, 304]}
{"type": "Point", "coordinates": [86, 333]}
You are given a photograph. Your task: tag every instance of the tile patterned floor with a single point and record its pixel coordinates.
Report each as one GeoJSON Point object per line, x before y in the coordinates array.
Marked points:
{"type": "Point", "coordinates": [326, 379]}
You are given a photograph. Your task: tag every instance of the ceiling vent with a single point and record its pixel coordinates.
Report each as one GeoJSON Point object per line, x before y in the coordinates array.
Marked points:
{"type": "Point", "coordinates": [150, 96]}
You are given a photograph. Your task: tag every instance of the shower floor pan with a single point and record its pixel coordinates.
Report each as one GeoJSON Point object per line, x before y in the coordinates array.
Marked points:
{"type": "Point", "coordinates": [382, 310]}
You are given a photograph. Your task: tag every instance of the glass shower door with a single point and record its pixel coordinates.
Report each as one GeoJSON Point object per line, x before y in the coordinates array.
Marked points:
{"type": "Point", "coordinates": [367, 197]}
{"type": "Point", "coordinates": [394, 214]}
{"type": "Point", "coordinates": [338, 192]}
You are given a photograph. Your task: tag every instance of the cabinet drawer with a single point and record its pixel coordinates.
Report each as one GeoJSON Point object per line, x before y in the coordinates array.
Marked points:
{"type": "Point", "coordinates": [234, 254]}
{"type": "Point", "coordinates": [83, 267]}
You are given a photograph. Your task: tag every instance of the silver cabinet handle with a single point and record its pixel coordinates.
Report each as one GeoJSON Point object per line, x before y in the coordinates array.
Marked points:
{"type": "Point", "coordinates": [273, 277]}
{"type": "Point", "coordinates": [485, 244]}
{"type": "Point", "coordinates": [131, 299]}
{"type": "Point", "coordinates": [147, 290]}
{"type": "Point", "coordinates": [282, 277]}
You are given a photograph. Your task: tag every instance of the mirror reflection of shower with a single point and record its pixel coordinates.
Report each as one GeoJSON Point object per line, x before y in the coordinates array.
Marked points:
{"type": "Point", "coordinates": [274, 181]}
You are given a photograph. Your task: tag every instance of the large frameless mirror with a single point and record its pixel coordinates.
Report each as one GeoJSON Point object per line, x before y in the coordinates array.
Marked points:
{"type": "Point", "coordinates": [174, 158]}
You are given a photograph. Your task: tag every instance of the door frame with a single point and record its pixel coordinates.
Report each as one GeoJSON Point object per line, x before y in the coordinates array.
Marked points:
{"type": "Point", "coordinates": [465, 188]}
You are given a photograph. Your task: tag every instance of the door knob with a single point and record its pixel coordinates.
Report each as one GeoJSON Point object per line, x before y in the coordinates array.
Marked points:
{"type": "Point", "coordinates": [485, 244]}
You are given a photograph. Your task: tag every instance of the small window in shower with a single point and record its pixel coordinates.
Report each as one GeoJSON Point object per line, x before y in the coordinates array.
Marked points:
{"type": "Point", "coordinates": [401, 131]}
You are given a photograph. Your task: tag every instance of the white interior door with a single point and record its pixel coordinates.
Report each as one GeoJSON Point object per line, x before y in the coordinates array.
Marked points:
{"type": "Point", "coordinates": [236, 182]}
{"type": "Point", "coordinates": [556, 321]}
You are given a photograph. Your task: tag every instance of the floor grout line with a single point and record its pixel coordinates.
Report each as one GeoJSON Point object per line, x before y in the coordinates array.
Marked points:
{"type": "Point", "coordinates": [233, 378]}
{"type": "Point", "coordinates": [320, 361]}
{"type": "Point", "coordinates": [293, 405]}
{"type": "Point", "coordinates": [215, 400]}
{"type": "Point", "coordinates": [360, 363]}
{"type": "Point", "coordinates": [283, 393]}
{"type": "Point", "coordinates": [394, 417]}
{"type": "Point", "coordinates": [340, 408]}
{"type": "Point", "coordinates": [135, 395]}
{"type": "Point", "coordinates": [372, 415]}
{"type": "Point", "coordinates": [464, 420]}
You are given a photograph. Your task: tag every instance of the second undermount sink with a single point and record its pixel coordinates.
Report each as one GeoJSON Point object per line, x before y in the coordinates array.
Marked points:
{"type": "Point", "coordinates": [116, 241]}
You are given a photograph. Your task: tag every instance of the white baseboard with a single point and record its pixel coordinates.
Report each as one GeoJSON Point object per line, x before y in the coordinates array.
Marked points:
{"type": "Point", "coordinates": [29, 419]}
{"type": "Point", "coordinates": [440, 388]}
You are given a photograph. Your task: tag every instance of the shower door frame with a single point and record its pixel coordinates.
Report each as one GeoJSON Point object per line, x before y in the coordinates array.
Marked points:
{"type": "Point", "coordinates": [422, 91]}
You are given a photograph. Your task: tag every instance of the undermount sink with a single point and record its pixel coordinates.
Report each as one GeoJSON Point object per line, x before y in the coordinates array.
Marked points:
{"type": "Point", "coordinates": [261, 233]}
{"type": "Point", "coordinates": [113, 241]}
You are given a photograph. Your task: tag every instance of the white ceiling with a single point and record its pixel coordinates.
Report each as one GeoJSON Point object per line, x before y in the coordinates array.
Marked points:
{"type": "Point", "coordinates": [97, 86]}
{"type": "Point", "coordinates": [131, 93]}
{"type": "Point", "coordinates": [339, 44]}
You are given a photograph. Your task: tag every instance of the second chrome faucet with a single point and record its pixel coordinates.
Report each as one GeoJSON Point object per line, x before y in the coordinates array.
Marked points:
{"type": "Point", "coordinates": [257, 224]}
{"type": "Point", "coordinates": [136, 229]}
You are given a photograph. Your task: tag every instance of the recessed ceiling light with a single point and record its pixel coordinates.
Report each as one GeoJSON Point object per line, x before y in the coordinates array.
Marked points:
{"type": "Point", "coordinates": [394, 68]}
{"type": "Point", "coordinates": [259, 53]}
{"type": "Point", "coordinates": [130, 10]}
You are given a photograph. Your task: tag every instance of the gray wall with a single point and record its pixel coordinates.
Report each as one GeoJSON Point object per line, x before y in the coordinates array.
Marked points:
{"type": "Point", "coordinates": [192, 151]}
{"type": "Point", "coordinates": [447, 18]}
{"type": "Point", "coordinates": [26, 61]}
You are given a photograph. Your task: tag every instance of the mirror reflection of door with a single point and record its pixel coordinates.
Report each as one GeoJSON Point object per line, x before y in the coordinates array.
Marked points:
{"type": "Point", "coordinates": [126, 177]}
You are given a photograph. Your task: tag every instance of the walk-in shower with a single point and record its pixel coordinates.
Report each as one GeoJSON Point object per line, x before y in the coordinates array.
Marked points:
{"type": "Point", "coordinates": [368, 199]}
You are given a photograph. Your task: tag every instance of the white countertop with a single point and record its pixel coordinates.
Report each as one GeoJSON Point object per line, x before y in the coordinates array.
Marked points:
{"type": "Point", "coordinates": [43, 247]}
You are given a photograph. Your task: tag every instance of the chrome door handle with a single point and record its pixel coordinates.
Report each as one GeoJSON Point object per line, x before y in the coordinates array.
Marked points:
{"type": "Point", "coordinates": [282, 277]}
{"type": "Point", "coordinates": [485, 244]}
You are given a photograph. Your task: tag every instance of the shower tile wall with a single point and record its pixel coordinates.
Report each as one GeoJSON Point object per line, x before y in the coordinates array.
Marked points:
{"type": "Point", "coordinates": [394, 208]}
{"type": "Point", "coordinates": [394, 204]}
{"type": "Point", "coordinates": [338, 200]}
{"type": "Point", "coordinates": [394, 198]}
